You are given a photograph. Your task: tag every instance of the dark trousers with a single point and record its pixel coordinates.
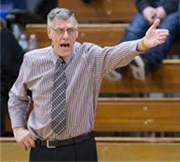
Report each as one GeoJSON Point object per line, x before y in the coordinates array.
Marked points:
{"type": "Point", "coordinates": [81, 151]}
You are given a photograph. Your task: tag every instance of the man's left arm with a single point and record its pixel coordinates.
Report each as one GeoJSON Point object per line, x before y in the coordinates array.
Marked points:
{"type": "Point", "coordinates": [124, 53]}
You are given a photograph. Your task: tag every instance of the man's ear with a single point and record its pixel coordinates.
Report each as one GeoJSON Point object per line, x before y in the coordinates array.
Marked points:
{"type": "Point", "coordinates": [49, 33]}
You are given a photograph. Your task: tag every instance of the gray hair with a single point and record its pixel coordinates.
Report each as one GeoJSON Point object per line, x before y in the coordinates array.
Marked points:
{"type": "Point", "coordinates": [61, 13]}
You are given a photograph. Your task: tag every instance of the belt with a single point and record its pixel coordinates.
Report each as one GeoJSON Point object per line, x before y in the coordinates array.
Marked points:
{"type": "Point", "coordinates": [60, 143]}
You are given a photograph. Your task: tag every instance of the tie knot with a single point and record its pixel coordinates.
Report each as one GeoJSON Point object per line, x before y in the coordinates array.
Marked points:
{"type": "Point", "coordinates": [61, 62]}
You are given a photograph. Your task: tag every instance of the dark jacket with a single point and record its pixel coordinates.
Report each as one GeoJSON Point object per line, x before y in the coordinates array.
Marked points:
{"type": "Point", "coordinates": [10, 59]}
{"type": "Point", "coordinates": [169, 5]}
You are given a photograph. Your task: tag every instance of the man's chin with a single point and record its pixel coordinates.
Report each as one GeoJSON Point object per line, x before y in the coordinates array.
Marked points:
{"type": "Point", "coordinates": [65, 53]}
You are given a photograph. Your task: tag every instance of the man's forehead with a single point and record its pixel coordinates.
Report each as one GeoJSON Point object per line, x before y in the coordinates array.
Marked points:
{"type": "Point", "coordinates": [64, 23]}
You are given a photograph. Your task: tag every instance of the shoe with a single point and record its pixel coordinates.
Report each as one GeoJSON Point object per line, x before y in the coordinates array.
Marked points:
{"type": "Point", "coordinates": [138, 68]}
{"type": "Point", "coordinates": [114, 76]}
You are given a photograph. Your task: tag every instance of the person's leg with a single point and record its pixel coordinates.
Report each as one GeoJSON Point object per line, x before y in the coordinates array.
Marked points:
{"type": "Point", "coordinates": [86, 151]}
{"type": "Point", "coordinates": [150, 60]}
{"type": "Point", "coordinates": [136, 29]}
{"type": "Point", "coordinates": [43, 154]}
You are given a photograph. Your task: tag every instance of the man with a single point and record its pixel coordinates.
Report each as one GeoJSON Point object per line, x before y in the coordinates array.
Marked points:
{"type": "Point", "coordinates": [10, 60]}
{"type": "Point", "coordinates": [147, 12]}
{"type": "Point", "coordinates": [60, 127]}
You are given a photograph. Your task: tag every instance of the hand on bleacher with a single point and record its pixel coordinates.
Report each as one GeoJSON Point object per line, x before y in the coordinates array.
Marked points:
{"type": "Point", "coordinates": [154, 36]}
{"type": "Point", "coordinates": [24, 138]}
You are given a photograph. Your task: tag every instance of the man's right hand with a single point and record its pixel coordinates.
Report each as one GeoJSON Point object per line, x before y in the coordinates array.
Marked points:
{"type": "Point", "coordinates": [149, 14]}
{"type": "Point", "coordinates": [24, 138]}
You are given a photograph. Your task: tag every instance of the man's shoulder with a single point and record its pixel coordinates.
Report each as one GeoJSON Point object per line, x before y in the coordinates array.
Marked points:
{"type": "Point", "coordinates": [37, 53]}
{"type": "Point", "coordinates": [86, 46]}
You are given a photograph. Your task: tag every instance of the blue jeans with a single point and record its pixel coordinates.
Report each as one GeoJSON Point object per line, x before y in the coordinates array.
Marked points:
{"type": "Point", "coordinates": [138, 28]}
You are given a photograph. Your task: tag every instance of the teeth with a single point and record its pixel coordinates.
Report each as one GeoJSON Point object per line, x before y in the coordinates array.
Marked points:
{"type": "Point", "coordinates": [64, 45]}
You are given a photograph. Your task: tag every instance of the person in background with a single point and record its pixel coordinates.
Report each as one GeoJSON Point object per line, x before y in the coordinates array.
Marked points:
{"type": "Point", "coordinates": [41, 7]}
{"type": "Point", "coordinates": [65, 80]}
{"type": "Point", "coordinates": [11, 59]}
{"type": "Point", "coordinates": [148, 12]}
{"type": "Point", "coordinates": [8, 5]}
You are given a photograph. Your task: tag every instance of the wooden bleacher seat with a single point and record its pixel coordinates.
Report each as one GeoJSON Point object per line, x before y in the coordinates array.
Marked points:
{"type": "Point", "coordinates": [101, 10]}
{"type": "Point", "coordinates": [111, 149]}
{"type": "Point", "coordinates": [100, 34]}
{"type": "Point", "coordinates": [164, 80]}
{"type": "Point", "coordinates": [130, 114]}
{"type": "Point", "coordinates": [138, 114]}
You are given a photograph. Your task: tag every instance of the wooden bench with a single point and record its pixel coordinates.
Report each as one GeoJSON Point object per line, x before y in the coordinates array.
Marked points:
{"type": "Point", "coordinates": [100, 34]}
{"type": "Point", "coordinates": [136, 114]}
{"type": "Point", "coordinates": [165, 79]}
{"type": "Point", "coordinates": [111, 149]}
{"type": "Point", "coordinates": [101, 10]}
{"type": "Point", "coordinates": [130, 114]}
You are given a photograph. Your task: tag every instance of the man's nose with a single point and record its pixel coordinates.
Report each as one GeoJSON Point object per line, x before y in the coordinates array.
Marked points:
{"type": "Point", "coordinates": [65, 35]}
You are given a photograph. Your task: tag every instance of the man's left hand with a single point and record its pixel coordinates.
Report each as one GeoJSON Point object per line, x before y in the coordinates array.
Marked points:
{"type": "Point", "coordinates": [155, 36]}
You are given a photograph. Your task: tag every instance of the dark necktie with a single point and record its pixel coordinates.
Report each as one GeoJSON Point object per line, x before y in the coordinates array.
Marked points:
{"type": "Point", "coordinates": [59, 97]}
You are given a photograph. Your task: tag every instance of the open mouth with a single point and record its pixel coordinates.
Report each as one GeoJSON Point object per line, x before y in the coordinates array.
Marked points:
{"type": "Point", "coordinates": [65, 45]}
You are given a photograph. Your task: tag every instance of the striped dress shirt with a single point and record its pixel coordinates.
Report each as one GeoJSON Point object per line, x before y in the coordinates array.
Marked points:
{"type": "Point", "coordinates": [86, 67]}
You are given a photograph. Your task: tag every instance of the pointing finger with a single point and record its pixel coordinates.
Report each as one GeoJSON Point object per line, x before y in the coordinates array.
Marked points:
{"type": "Point", "coordinates": [155, 24]}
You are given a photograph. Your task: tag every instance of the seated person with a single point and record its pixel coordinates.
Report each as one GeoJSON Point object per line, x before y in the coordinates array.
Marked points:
{"type": "Point", "coordinates": [148, 12]}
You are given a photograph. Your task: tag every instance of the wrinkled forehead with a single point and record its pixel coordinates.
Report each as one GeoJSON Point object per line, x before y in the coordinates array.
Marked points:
{"type": "Point", "coordinates": [62, 23]}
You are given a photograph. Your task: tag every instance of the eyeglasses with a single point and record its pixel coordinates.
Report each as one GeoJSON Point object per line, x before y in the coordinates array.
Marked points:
{"type": "Point", "coordinates": [61, 31]}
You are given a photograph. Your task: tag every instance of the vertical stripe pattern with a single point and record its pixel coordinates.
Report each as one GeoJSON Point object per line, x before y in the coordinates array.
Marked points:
{"type": "Point", "coordinates": [85, 69]}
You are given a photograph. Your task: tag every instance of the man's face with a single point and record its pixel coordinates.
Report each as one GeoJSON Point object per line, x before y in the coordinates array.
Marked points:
{"type": "Point", "coordinates": [63, 34]}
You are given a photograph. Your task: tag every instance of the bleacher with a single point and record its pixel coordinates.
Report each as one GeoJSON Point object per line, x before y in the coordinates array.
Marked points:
{"type": "Point", "coordinates": [127, 114]}
{"type": "Point", "coordinates": [111, 149]}
{"type": "Point", "coordinates": [101, 10]}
